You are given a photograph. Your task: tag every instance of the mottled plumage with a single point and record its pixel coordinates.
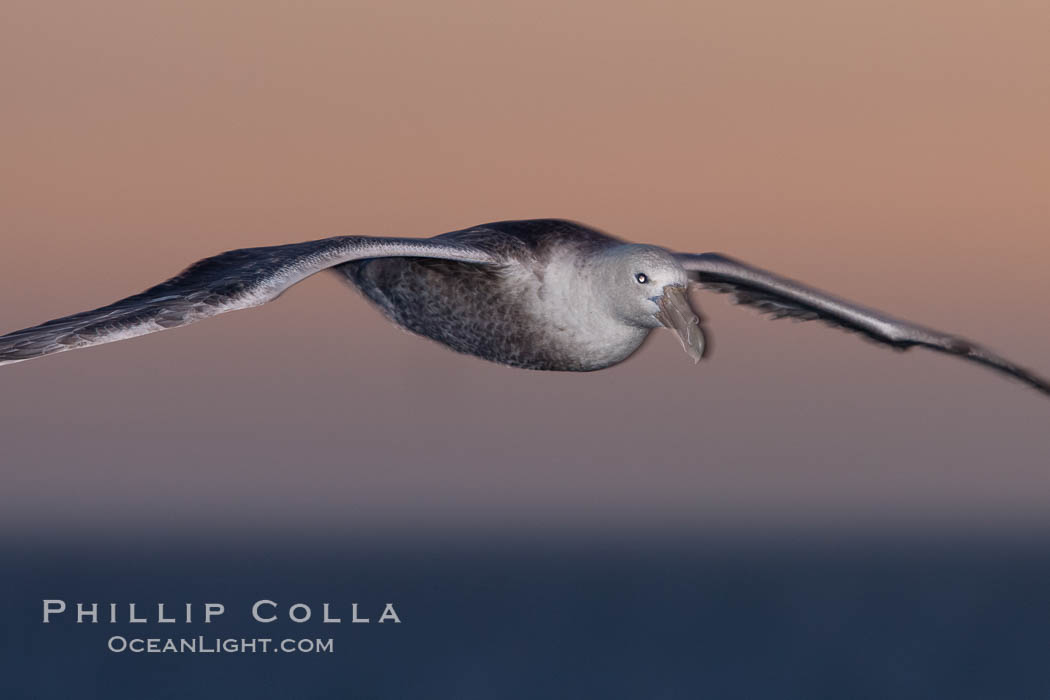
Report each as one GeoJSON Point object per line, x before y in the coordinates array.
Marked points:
{"type": "Point", "coordinates": [492, 311]}
{"type": "Point", "coordinates": [541, 294]}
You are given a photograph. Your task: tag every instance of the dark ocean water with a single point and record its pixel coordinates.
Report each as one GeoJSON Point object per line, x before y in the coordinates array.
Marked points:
{"type": "Point", "coordinates": [870, 619]}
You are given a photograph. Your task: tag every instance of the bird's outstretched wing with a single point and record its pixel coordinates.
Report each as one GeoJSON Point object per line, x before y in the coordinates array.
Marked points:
{"type": "Point", "coordinates": [237, 279]}
{"type": "Point", "coordinates": [782, 297]}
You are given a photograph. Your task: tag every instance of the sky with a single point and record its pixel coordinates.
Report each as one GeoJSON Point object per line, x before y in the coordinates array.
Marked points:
{"type": "Point", "coordinates": [893, 153]}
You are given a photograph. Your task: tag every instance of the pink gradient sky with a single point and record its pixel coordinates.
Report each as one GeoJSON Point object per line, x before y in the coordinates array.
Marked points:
{"type": "Point", "coordinates": [895, 153]}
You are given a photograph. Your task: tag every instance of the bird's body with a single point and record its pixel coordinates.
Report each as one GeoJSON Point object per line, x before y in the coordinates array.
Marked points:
{"type": "Point", "coordinates": [535, 310]}
{"type": "Point", "coordinates": [543, 294]}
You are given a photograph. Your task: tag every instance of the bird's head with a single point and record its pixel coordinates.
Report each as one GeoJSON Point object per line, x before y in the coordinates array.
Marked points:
{"type": "Point", "coordinates": [647, 287]}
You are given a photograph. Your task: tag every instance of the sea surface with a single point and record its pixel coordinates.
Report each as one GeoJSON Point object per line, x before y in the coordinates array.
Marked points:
{"type": "Point", "coordinates": [520, 618]}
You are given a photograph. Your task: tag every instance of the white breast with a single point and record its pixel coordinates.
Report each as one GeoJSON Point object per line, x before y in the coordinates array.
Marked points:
{"type": "Point", "coordinates": [563, 300]}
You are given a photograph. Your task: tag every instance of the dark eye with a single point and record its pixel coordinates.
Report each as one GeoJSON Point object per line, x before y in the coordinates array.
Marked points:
{"type": "Point", "coordinates": [642, 278]}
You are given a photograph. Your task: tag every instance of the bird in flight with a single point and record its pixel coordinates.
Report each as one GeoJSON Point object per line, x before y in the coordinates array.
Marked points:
{"type": "Point", "coordinates": [544, 294]}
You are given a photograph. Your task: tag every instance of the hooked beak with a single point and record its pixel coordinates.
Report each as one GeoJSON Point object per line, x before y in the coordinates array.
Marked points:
{"type": "Point", "coordinates": [676, 313]}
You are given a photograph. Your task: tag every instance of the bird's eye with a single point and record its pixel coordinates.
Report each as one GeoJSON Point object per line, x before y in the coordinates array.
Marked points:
{"type": "Point", "coordinates": [642, 278]}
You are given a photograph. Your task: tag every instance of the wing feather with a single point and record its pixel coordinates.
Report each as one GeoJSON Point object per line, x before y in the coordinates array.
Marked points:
{"type": "Point", "coordinates": [782, 297]}
{"type": "Point", "coordinates": [237, 279]}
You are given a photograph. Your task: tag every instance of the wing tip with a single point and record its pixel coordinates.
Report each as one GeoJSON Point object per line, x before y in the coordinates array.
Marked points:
{"type": "Point", "coordinates": [969, 350]}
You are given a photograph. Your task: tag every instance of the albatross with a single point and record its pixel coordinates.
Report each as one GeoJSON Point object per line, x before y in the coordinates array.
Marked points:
{"type": "Point", "coordinates": [542, 294]}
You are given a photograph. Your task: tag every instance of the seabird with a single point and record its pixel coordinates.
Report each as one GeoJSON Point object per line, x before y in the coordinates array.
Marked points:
{"type": "Point", "coordinates": [544, 294]}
